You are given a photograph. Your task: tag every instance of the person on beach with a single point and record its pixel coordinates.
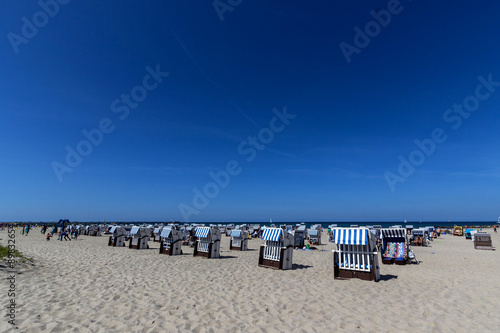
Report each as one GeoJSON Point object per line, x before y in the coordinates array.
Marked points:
{"type": "Point", "coordinates": [27, 230]}
{"type": "Point", "coordinates": [48, 236]}
{"type": "Point", "coordinates": [494, 228]}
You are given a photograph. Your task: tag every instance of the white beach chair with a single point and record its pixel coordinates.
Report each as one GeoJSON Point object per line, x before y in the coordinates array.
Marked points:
{"type": "Point", "coordinates": [277, 251]}
{"type": "Point", "coordinates": [117, 237]}
{"type": "Point", "coordinates": [355, 255]}
{"type": "Point", "coordinates": [239, 240]}
{"type": "Point", "coordinates": [170, 242]}
{"type": "Point", "coordinates": [208, 243]}
{"type": "Point", "coordinates": [139, 238]}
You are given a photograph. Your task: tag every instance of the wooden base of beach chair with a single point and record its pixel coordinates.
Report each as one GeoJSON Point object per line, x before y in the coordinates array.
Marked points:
{"type": "Point", "coordinates": [208, 254]}
{"type": "Point", "coordinates": [271, 263]}
{"type": "Point", "coordinates": [136, 246]}
{"type": "Point", "coordinates": [342, 274]}
{"type": "Point", "coordinates": [236, 248]}
{"type": "Point", "coordinates": [170, 250]}
{"type": "Point", "coordinates": [348, 274]}
{"type": "Point", "coordinates": [402, 261]}
{"type": "Point", "coordinates": [387, 261]}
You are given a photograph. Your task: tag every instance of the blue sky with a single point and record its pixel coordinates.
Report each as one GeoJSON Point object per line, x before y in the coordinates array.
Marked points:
{"type": "Point", "coordinates": [336, 157]}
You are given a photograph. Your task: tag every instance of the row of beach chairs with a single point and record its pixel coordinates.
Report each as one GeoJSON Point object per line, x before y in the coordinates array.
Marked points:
{"type": "Point", "coordinates": [355, 255]}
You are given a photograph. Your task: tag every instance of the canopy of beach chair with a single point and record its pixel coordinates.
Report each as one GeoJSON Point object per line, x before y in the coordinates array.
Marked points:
{"type": "Point", "coordinates": [351, 236]}
{"type": "Point", "coordinates": [202, 232]}
{"type": "Point", "coordinates": [165, 232]}
{"type": "Point", "coordinates": [272, 234]}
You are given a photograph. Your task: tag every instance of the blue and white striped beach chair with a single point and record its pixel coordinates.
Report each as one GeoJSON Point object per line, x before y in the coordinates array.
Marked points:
{"type": "Point", "coordinates": [355, 255]}
{"type": "Point", "coordinates": [208, 243]}
{"type": "Point", "coordinates": [277, 251]}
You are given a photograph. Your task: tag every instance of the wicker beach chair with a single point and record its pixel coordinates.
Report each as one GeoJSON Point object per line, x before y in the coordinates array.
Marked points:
{"type": "Point", "coordinates": [239, 240]}
{"type": "Point", "coordinates": [299, 235]}
{"type": "Point", "coordinates": [139, 237]}
{"type": "Point", "coordinates": [314, 236]}
{"type": "Point", "coordinates": [208, 243]}
{"type": "Point", "coordinates": [156, 234]}
{"type": "Point", "coordinates": [355, 255]}
{"type": "Point", "coordinates": [117, 237]}
{"type": "Point", "coordinates": [170, 241]}
{"type": "Point", "coordinates": [482, 241]}
{"type": "Point", "coordinates": [277, 251]}
{"type": "Point", "coordinates": [458, 230]}
{"type": "Point", "coordinates": [394, 246]}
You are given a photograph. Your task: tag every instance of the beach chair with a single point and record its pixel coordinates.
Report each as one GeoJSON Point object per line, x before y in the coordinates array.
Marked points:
{"type": "Point", "coordinates": [170, 242]}
{"type": "Point", "coordinates": [420, 237]}
{"type": "Point", "coordinates": [458, 230]}
{"type": "Point", "coordinates": [355, 255]}
{"type": "Point", "coordinates": [277, 251]}
{"type": "Point", "coordinates": [482, 241]}
{"type": "Point", "coordinates": [239, 240]}
{"type": "Point", "coordinates": [156, 234]}
{"type": "Point", "coordinates": [299, 235]}
{"type": "Point", "coordinates": [208, 243]}
{"type": "Point", "coordinates": [117, 237]}
{"type": "Point", "coordinates": [314, 236]}
{"type": "Point", "coordinates": [409, 228]}
{"type": "Point", "coordinates": [468, 233]}
{"type": "Point", "coordinates": [394, 246]}
{"type": "Point", "coordinates": [139, 237]}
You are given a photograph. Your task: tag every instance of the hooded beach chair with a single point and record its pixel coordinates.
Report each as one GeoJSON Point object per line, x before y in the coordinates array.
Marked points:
{"type": "Point", "coordinates": [420, 237]}
{"type": "Point", "coordinates": [409, 228]}
{"type": "Point", "coordinates": [117, 237]}
{"type": "Point", "coordinates": [482, 241]}
{"type": "Point", "coordinates": [355, 255]}
{"type": "Point", "coordinates": [299, 235]}
{"type": "Point", "coordinates": [208, 243]}
{"type": "Point", "coordinates": [468, 233]}
{"type": "Point", "coordinates": [139, 237]}
{"type": "Point", "coordinates": [314, 236]}
{"type": "Point", "coordinates": [277, 251]}
{"type": "Point", "coordinates": [156, 234]}
{"type": "Point", "coordinates": [394, 246]}
{"type": "Point", "coordinates": [458, 230]}
{"type": "Point", "coordinates": [170, 242]}
{"type": "Point", "coordinates": [239, 240]}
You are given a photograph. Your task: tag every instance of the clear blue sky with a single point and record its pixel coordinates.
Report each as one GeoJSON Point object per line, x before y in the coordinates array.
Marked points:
{"type": "Point", "coordinates": [331, 162]}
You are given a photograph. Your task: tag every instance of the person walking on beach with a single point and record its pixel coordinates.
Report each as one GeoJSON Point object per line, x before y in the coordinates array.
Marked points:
{"type": "Point", "coordinates": [494, 228]}
{"type": "Point", "coordinates": [66, 236]}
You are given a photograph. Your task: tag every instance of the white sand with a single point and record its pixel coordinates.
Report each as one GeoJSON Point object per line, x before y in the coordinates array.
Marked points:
{"type": "Point", "coordinates": [86, 286]}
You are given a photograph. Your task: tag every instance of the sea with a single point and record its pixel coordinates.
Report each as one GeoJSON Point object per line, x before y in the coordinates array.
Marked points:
{"type": "Point", "coordinates": [416, 224]}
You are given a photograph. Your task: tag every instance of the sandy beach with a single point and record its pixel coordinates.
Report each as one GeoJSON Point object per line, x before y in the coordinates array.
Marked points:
{"type": "Point", "coordinates": [85, 286]}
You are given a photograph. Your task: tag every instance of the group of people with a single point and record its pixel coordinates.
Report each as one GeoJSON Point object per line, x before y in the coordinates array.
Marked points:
{"type": "Point", "coordinates": [62, 234]}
